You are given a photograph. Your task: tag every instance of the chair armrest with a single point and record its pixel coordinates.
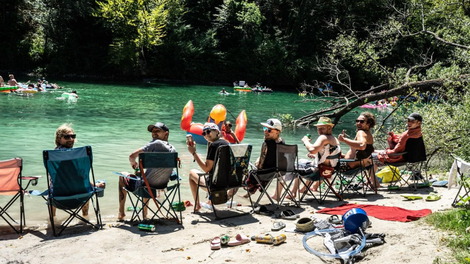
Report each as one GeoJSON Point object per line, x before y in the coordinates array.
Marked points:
{"type": "Point", "coordinates": [33, 179]}
{"type": "Point", "coordinates": [397, 154]}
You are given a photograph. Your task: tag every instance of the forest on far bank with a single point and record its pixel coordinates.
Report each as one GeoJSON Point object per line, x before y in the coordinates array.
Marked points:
{"type": "Point", "coordinates": [279, 43]}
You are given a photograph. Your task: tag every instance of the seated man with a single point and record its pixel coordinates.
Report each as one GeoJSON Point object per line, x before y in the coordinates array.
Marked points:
{"type": "Point", "coordinates": [267, 159]}
{"type": "Point", "coordinates": [65, 139]}
{"type": "Point", "coordinates": [414, 131]}
{"type": "Point", "coordinates": [325, 145]}
{"type": "Point", "coordinates": [155, 177]}
{"type": "Point", "coordinates": [361, 147]}
{"type": "Point", "coordinates": [212, 134]}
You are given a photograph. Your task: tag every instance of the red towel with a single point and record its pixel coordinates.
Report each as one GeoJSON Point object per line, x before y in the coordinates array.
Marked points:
{"type": "Point", "coordinates": [389, 213]}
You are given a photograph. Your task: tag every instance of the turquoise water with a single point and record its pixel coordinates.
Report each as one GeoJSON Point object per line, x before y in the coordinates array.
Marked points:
{"type": "Point", "coordinates": [113, 119]}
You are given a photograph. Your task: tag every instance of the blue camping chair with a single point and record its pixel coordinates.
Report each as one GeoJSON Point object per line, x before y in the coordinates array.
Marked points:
{"type": "Point", "coordinates": [167, 207]}
{"type": "Point", "coordinates": [68, 172]}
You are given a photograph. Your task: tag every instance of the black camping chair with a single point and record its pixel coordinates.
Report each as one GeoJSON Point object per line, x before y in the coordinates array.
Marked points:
{"type": "Point", "coordinates": [414, 167]}
{"type": "Point", "coordinates": [286, 164]}
{"type": "Point", "coordinates": [230, 172]}
{"type": "Point", "coordinates": [356, 180]}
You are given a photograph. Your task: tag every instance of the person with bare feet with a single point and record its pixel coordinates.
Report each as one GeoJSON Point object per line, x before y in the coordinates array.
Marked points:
{"type": "Point", "coordinates": [212, 134]}
{"type": "Point", "coordinates": [325, 145]}
{"type": "Point", "coordinates": [155, 176]}
{"type": "Point", "coordinates": [65, 138]}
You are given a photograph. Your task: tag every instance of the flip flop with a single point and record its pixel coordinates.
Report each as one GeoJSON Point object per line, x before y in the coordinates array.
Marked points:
{"type": "Point", "coordinates": [215, 243]}
{"type": "Point", "coordinates": [334, 219]}
{"type": "Point", "coordinates": [440, 183]}
{"type": "Point", "coordinates": [239, 240]}
{"type": "Point", "coordinates": [289, 215]}
{"type": "Point", "coordinates": [433, 197]}
{"type": "Point", "coordinates": [278, 225]}
{"type": "Point", "coordinates": [412, 197]}
{"type": "Point", "coordinates": [263, 210]}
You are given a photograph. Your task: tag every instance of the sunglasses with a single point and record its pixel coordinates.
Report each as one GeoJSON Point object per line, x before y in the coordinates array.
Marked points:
{"type": "Point", "coordinates": [229, 125]}
{"type": "Point", "coordinates": [409, 120]}
{"type": "Point", "coordinates": [360, 121]}
{"type": "Point", "coordinates": [267, 129]}
{"type": "Point", "coordinates": [206, 132]}
{"type": "Point", "coordinates": [70, 136]}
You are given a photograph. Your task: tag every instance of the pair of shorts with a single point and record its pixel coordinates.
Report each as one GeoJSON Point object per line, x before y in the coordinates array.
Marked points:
{"type": "Point", "coordinates": [133, 184]}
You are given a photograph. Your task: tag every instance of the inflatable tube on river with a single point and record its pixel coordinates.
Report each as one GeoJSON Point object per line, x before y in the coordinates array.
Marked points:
{"type": "Point", "coordinates": [374, 106]}
{"type": "Point", "coordinates": [216, 116]}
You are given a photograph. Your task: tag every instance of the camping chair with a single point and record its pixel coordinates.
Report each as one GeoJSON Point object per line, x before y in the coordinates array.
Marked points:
{"type": "Point", "coordinates": [413, 166]}
{"type": "Point", "coordinates": [307, 181]}
{"type": "Point", "coordinates": [229, 172]}
{"type": "Point", "coordinates": [462, 168]}
{"type": "Point", "coordinates": [11, 184]}
{"type": "Point", "coordinates": [286, 164]}
{"type": "Point", "coordinates": [356, 180]}
{"type": "Point", "coordinates": [166, 206]}
{"type": "Point", "coordinates": [70, 188]}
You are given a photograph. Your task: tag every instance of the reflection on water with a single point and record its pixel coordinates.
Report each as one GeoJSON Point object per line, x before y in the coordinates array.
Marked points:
{"type": "Point", "coordinates": [113, 119]}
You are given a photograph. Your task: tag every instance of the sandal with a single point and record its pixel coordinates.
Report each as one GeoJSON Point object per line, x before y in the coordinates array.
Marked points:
{"type": "Point", "coordinates": [263, 210]}
{"type": "Point", "coordinates": [278, 225]}
{"type": "Point", "coordinates": [289, 215]}
{"type": "Point", "coordinates": [433, 197]}
{"type": "Point", "coordinates": [334, 219]}
{"type": "Point", "coordinates": [215, 243]}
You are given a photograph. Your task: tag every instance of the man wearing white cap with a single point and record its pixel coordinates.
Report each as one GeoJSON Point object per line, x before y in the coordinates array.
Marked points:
{"type": "Point", "coordinates": [212, 134]}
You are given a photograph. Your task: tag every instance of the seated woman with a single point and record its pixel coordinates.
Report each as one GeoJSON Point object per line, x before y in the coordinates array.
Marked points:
{"type": "Point", "coordinates": [361, 147]}
{"type": "Point", "coordinates": [325, 146]}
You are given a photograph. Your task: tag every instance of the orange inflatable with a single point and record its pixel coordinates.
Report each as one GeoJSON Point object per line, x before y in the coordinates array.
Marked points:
{"type": "Point", "coordinates": [217, 116]}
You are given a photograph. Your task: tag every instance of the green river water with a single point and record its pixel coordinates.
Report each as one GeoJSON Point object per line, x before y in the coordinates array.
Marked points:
{"type": "Point", "coordinates": [113, 119]}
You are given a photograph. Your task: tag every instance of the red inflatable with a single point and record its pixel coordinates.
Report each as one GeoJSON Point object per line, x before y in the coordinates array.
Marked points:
{"type": "Point", "coordinates": [217, 116]}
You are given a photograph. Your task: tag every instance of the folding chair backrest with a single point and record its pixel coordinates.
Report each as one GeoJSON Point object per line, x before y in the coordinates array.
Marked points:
{"type": "Point", "coordinates": [286, 157]}
{"type": "Point", "coordinates": [230, 166]}
{"type": "Point", "coordinates": [69, 170]}
{"type": "Point", "coordinates": [10, 171]}
{"type": "Point", "coordinates": [159, 159]}
{"type": "Point", "coordinates": [415, 150]}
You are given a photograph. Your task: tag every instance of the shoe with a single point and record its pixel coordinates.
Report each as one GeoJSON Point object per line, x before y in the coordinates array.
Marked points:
{"type": "Point", "coordinates": [289, 215]}
{"type": "Point", "coordinates": [215, 243]}
{"type": "Point", "coordinates": [263, 210]}
{"type": "Point", "coordinates": [278, 225]}
{"type": "Point", "coordinates": [238, 240]}
{"type": "Point", "coordinates": [412, 197]}
{"type": "Point", "coordinates": [433, 197]}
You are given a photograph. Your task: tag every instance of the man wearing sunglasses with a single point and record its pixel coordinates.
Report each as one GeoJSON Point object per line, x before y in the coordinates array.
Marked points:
{"type": "Point", "coordinates": [65, 139]}
{"type": "Point", "coordinates": [211, 133]}
{"type": "Point", "coordinates": [156, 177]}
{"type": "Point", "coordinates": [413, 124]}
{"type": "Point", "coordinates": [267, 159]}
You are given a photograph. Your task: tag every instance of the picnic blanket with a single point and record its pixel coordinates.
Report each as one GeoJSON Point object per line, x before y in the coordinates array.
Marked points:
{"type": "Point", "coordinates": [389, 213]}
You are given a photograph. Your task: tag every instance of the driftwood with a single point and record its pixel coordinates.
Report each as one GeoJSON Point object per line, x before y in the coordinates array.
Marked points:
{"type": "Point", "coordinates": [342, 106]}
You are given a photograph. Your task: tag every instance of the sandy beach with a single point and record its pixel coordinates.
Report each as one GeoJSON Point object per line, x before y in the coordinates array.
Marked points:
{"type": "Point", "coordinates": [121, 242]}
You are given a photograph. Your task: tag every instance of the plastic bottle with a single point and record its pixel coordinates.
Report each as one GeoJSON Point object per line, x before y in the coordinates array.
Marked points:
{"type": "Point", "coordinates": [230, 204]}
{"type": "Point", "coordinates": [224, 239]}
{"type": "Point", "coordinates": [263, 238]}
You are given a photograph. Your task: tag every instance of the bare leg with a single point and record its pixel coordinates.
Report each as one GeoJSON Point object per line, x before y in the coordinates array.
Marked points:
{"type": "Point", "coordinates": [193, 181]}
{"type": "Point", "coordinates": [85, 209]}
{"type": "Point", "coordinates": [146, 208]}
{"type": "Point", "coordinates": [277, 193]}
{"type": "Point", "coordinates": [122, 199]}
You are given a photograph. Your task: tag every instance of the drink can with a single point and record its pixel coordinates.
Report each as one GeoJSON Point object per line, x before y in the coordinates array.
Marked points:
{"type": "Point", "coordinates": [279, 239]}
{"type": "Point", "coordinates": [131, 208]}
{"type": "Point", "coordinates": [309, 136]}
{"type": "Point", "coordinates": [224, 239]}
{"type": "Point", "coordinates": [145, 227]}
{"type": "Point", "coordinates": [263, 238]}
{"type": "Point", "coordinates": [190, 140]}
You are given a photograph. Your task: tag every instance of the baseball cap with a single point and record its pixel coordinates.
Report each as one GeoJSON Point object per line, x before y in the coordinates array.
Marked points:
{"type": "Point", "coordinates": [415, 116]}
{"type": "Point", "coordinates": [324, 121]}
{"type": "Point", "coordinates": [160, 125]}
{"type": "Point", "coordinates": [273, 123]}
{"type": "Point", "coordinates": [211, 126]}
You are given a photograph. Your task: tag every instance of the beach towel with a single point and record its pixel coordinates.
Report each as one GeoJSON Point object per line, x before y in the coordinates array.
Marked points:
{"type": "Point", "coordinates": [389, 213]}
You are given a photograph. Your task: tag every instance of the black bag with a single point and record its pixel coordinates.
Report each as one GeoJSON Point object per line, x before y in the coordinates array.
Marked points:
{"type": "Point", "coordinates": [219, 197]}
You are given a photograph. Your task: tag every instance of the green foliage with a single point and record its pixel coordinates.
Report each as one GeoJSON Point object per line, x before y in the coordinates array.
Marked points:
{"type": "Point", "coordinates": [287, 120]}
{"type": "Point", "coordinates": [455, 221]}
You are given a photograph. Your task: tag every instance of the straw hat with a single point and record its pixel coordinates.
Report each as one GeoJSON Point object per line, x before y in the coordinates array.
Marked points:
{"type": "Point", "coordinates": [324, 121]}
